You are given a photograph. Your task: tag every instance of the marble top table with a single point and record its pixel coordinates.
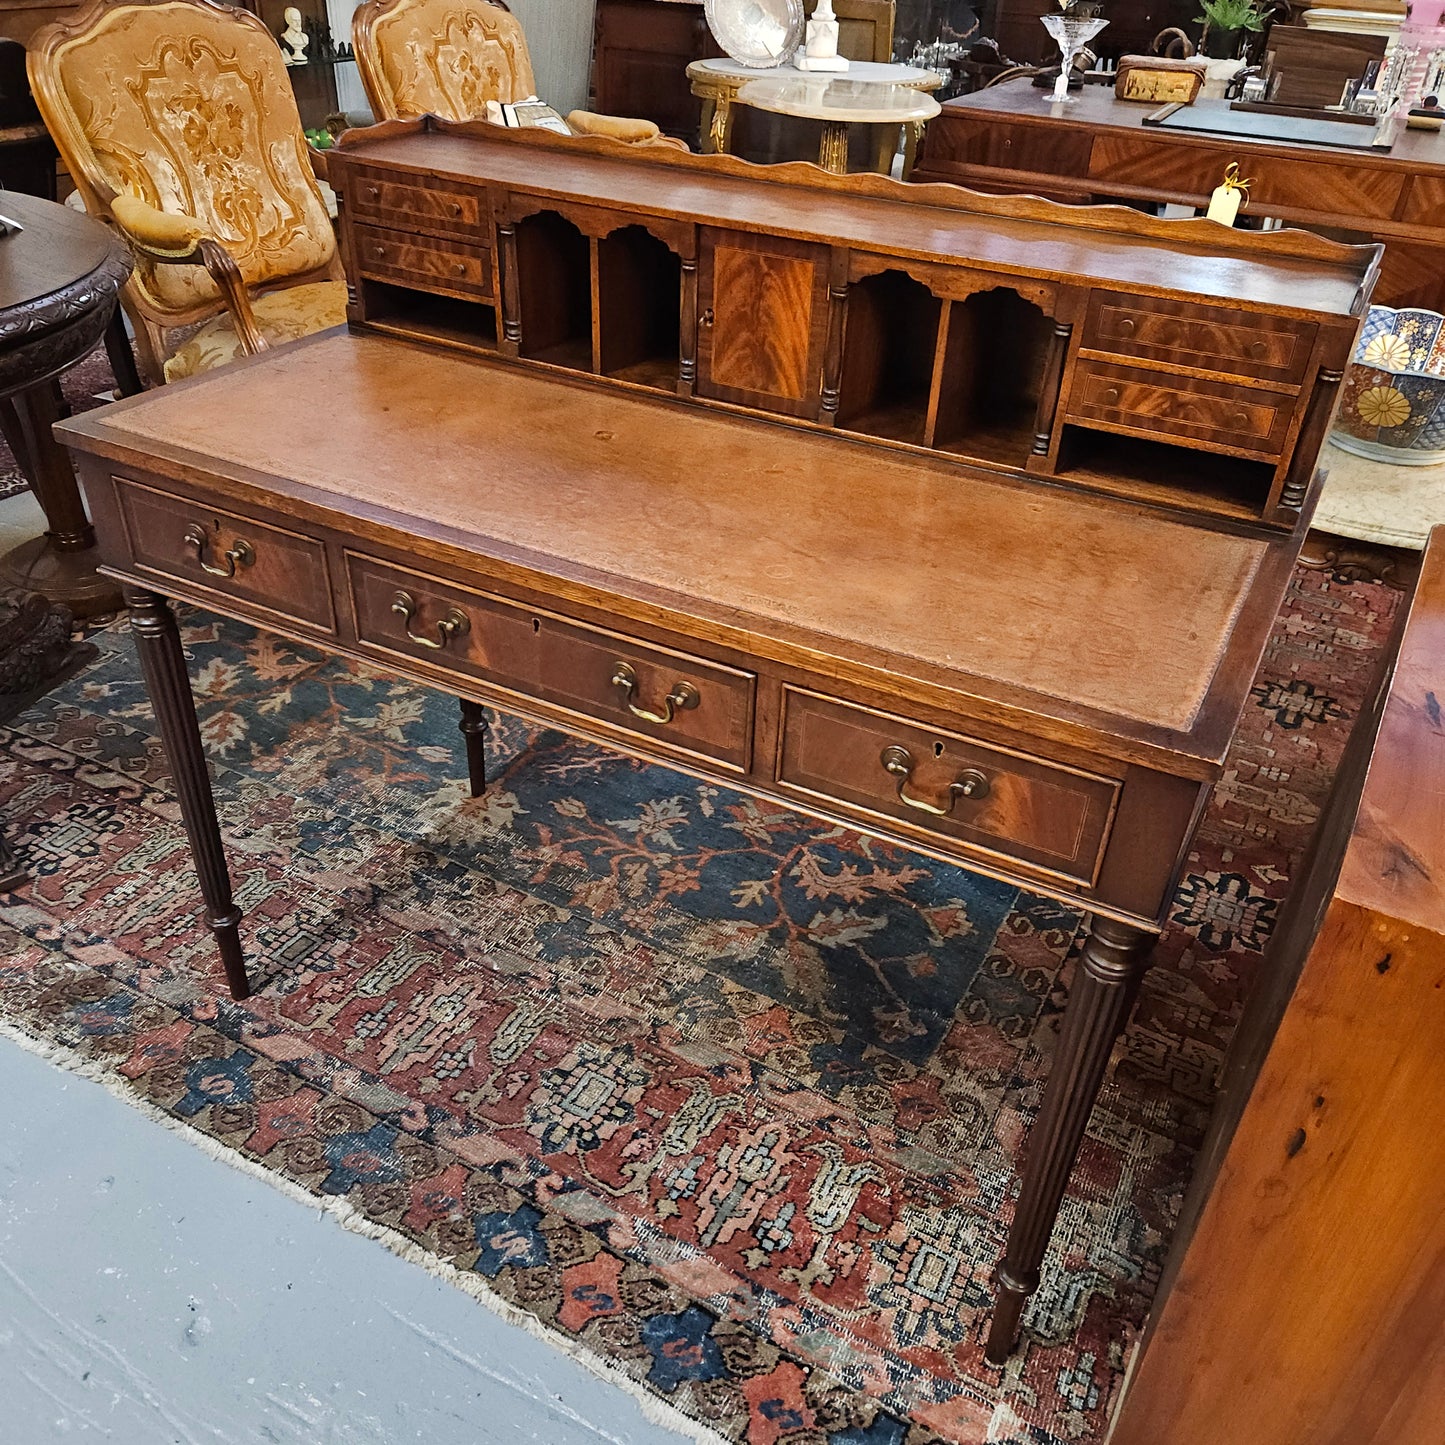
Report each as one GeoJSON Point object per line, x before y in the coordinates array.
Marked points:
{"type": "Point", "coordinates": [718, 83]}
{"type": "Point", "coordinates": [1389, 508]}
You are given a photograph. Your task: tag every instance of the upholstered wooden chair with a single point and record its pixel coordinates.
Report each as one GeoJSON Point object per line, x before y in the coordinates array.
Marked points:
{"type": "Point", "coordinates": [178, 124]}
{"type": "Point", "coordinates": [449, 58]}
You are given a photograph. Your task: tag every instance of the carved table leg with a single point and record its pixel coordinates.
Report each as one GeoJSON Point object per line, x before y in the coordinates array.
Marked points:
{"type": "Point", "coordinates": [1111, 967]}
{"type": "Point", "coordinates": [833, 147]}
{"type": "Point", "coordinates": [473, 727]}
{"type": "Point", "coordinates": [158, 641]}
{"type": "Point", "coordinates": [61, 563]}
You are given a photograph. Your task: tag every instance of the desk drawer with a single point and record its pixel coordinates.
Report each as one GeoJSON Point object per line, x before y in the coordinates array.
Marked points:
{"type": "Point", "coordinates": [424, 261]}
{"type": "Point", "coordinates": [1177, 168]}
{"type": "Point", "coordinates": [1212, 337]}
{"type": "Point", "coordinates": [694, 705]}
{"type": "Point", "coordinates": [439, 209]}
{"type": "Point", "coordinates": [945, 784]}
{"type": "Point", "coordinates": [1239, 418]}
{"type": "Point", "coordinates": [280, 572]}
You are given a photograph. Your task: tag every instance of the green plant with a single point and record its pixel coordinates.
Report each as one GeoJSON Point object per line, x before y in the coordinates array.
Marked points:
{"type": "Point", "coordinates": [1228, 15]}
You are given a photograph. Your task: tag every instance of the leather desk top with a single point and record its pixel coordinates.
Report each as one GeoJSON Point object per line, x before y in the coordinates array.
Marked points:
{"type": "Point", "coordinates": [926, 568]}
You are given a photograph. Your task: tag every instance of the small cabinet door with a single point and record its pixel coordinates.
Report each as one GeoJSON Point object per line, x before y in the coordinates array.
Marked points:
{"type": "Point", "coordinates": [762, 323]}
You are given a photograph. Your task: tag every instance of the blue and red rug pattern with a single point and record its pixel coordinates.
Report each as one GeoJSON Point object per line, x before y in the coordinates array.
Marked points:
{"type": "Point", "coordinates": [731, 1100]}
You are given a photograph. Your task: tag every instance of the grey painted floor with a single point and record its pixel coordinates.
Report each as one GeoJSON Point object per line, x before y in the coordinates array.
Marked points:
{"type": "Point", "coordinates": [152, 1295]}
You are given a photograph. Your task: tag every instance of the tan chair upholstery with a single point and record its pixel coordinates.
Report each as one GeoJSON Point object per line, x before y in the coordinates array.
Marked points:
{"type": "Point", "coordinates": [178, 124]}
{"type": "Point", "coordinates": [449, 58]}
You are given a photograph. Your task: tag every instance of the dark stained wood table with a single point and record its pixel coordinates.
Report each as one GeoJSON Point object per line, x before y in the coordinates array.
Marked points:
{"type": "Point", "coordinates": [1036, 683]}
{"type": "Point", "coordinates": [59, 280]}
{"type": "Point", "coordinates": [1008, 139]}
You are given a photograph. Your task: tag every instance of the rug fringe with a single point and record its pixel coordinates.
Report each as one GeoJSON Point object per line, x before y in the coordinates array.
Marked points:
{"type": "Point", "coordinates": [654, 1409]}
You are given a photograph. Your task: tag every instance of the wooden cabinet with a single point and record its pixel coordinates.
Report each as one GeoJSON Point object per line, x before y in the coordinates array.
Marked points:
{"type": "Point", "coordinates": [640, 60]}
{"type": "Point", "coordinates": [1173, 362]}
{"type": "Point", "coordinates": [763, 319]}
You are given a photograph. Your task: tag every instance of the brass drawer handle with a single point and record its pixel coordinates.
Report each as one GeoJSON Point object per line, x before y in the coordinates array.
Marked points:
{"type": "Point", "coordinates": [240, 555]}
{"type": "Point", "coordinates": [455, 208]}
{"type": "Point", "coordinates": [1110, 396]}
{"type": "Point", "coordinates": [453, 623]}
{"type": "Point", "coordinates": [706, 319]}
{"type": "Point", "coordinates": [1126, 326]}
{"type": "Point", "coordinates": [1241, 420]}
{"type": "Point", "coordinates": [373, 193]}
{"type": "Point", "coordinates": [682, 696]}
{"type": "Point", "coordinates": [459, 268]}
{"type": "Point", "coordinates": [1258, 349]}
{"type": "Point", "coordinates": [378, 251]}
{"type": "Point", "coordinates": [970, 783]}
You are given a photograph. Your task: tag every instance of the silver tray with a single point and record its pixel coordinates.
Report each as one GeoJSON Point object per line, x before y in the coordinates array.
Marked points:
{"type": "Point", "coordinates": [760, 34]}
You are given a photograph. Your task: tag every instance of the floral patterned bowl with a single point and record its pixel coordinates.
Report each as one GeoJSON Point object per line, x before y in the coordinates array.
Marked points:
{"type": "Point", "coordinates": [1393, 407]}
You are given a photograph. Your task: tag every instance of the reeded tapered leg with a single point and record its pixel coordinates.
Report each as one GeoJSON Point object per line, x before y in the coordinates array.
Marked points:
{"type": "Point", "coordinates": [162, 659]}
{"type": "Point", "coordinates": [1113, 963]}
{"type": "Point", "coordinates": [474, 728]}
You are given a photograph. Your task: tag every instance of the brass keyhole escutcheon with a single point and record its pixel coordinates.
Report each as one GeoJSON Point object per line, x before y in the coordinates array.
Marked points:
{"type": "Point", "coordinates": [680, 697]}
{"type": "Point", "coordinates": [452, 623]}
{"type": "Point", "coordinates": [898, 762]}
{"type": "Point", "coordinates": [240, 554]}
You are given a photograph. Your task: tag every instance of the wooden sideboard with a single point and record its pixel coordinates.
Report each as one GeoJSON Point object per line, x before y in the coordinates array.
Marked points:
{"type": "Point", "coordinates": [1007, 139]}
{"type": "Point", "coordinates": [1304, 1297]}
{"type": "Point", "coordinates": [759, 474]}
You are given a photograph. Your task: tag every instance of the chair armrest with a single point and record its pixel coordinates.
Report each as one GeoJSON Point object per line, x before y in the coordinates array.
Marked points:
{"type": "Point", "coordinates": [182, 241]}
{"type": "Point", "coordinates": [160, 234]}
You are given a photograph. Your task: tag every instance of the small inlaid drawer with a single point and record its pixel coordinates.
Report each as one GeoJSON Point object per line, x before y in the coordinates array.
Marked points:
{"type": "Point", "coordinates": [686, 702]}
{"type": "Point", "coordinates": [426, 262]}
{"type": "Point", "coordinates": [1212, 338]}
{"type": "Point", "coordinates": [1235, 418]}
{"type": "Point", "coordinates": [275, 570]}
{"type": "Point", "coordinates": [442, 211]}
{"type": "Point", "coordinates": [957, 788]}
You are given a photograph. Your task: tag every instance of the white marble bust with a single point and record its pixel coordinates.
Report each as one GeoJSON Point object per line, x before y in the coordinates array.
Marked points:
{"type": "Point", "coordinates": [294, 39]}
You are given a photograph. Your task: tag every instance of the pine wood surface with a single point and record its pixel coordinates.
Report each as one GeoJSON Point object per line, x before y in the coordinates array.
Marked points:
{"type": "Point", "coordinates": [1304, 1298]}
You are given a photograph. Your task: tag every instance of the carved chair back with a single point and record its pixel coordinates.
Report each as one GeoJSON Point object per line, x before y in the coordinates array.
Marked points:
{"type": "Point", "coordinates": [187, 105]}
{"type": "Point", "coordinates": [440, 57]}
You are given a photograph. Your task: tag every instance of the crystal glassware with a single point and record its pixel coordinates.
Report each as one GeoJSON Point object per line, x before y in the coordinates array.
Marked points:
{"type": "Point", "coordinates": [1072, 33]}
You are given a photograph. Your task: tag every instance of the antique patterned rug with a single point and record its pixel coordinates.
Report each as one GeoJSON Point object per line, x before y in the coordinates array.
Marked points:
{"type": "Point", "coordinates": [729, 1103]}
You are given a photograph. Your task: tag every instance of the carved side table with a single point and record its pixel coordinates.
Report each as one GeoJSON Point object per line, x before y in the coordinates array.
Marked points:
{"type": "Point", "coordinates": [59, 280]}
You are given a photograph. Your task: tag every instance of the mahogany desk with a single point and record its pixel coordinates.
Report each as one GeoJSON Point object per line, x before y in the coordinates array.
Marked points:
{"type": "Point", "coordinates": [1039, 684]}
{"type": "Point", "coordinates": [1007, 139]}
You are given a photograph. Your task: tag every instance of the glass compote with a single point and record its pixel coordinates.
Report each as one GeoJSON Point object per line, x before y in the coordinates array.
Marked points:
{"type": "Point", "coordinates": [1072, 32]}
